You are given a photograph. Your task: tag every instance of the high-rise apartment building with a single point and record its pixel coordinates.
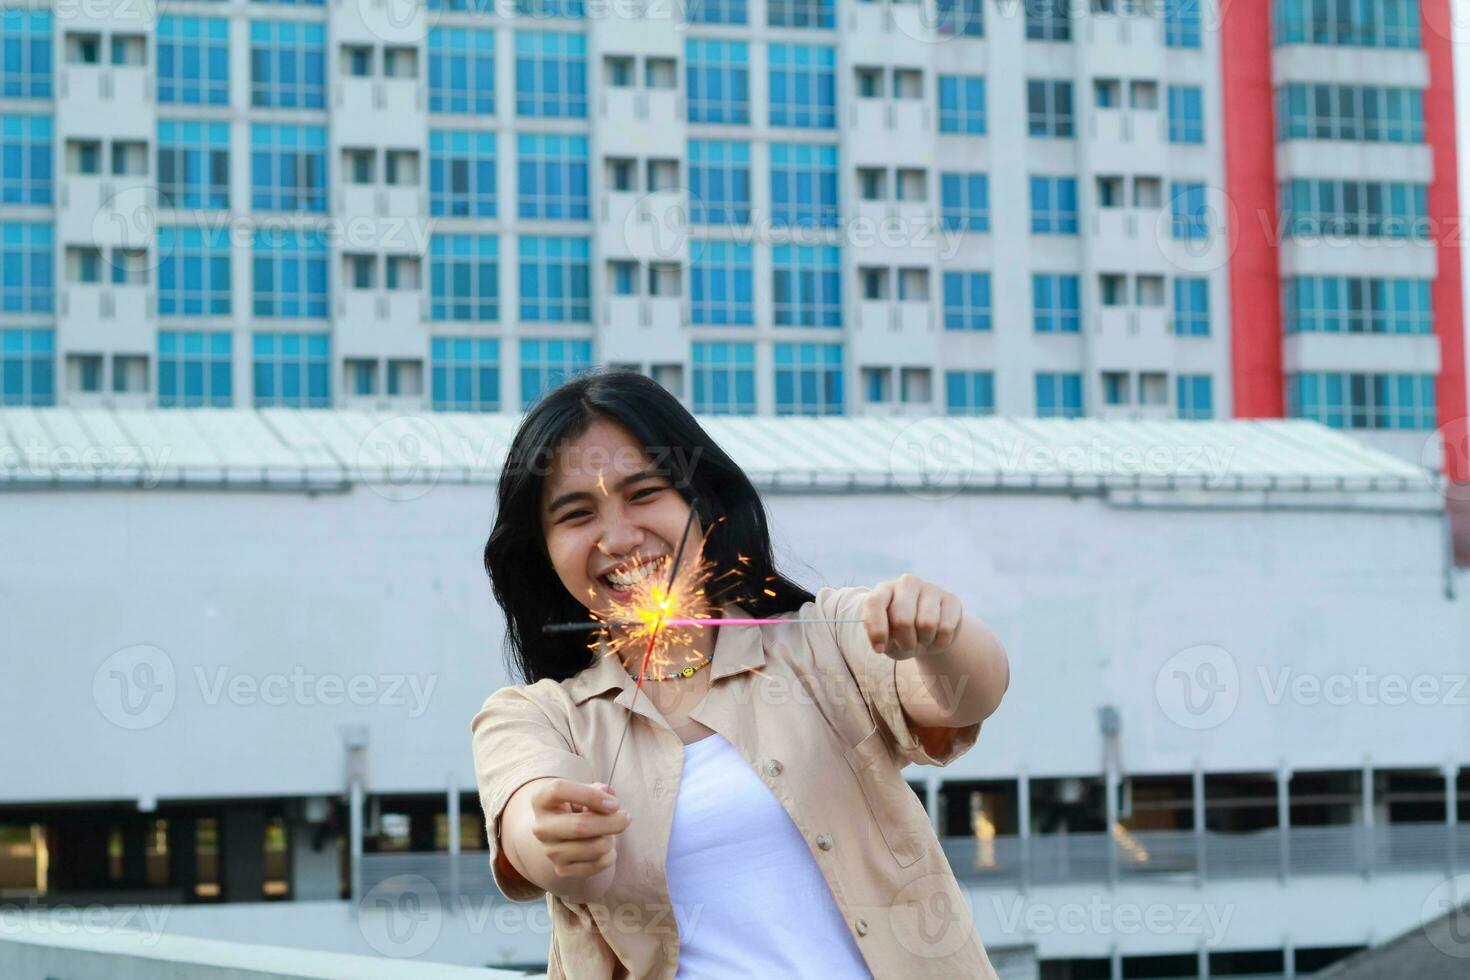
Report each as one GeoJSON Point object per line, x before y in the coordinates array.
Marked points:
{"type": "Point", "coordinates": [1043, 207]}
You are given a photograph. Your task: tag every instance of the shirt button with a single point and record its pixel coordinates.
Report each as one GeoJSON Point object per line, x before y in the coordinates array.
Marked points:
{"type": "Point", "coordinates": [861, 925]}
{"type": "Point", "coordinates": [773, 767]}
{"type": "Point", "coordinates": [824, 841]}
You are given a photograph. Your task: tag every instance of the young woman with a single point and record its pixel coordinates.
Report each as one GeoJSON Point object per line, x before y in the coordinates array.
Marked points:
{"type": "Point", "coordinates": [758, 823]}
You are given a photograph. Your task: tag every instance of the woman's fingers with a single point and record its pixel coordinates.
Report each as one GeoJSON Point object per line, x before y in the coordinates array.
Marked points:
{"type": "Point", "coordinates": [580, 852]}
{"type": "Point", "coordinates": [929, 609]}
{"type": "Point", "coordinates": [553, 792]}
{"type": "Point", "coordinates": [902, 611]}
{"type": "Point", "coordinates": [875, 615]}
{"type": "Point", "coordinates": [557, 828]}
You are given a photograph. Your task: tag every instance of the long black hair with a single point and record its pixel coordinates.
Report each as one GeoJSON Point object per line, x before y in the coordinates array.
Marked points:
{"type": "Point", "coordinates": [521, 575]}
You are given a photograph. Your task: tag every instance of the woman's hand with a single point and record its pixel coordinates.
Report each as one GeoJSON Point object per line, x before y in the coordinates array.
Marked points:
{"type": "Point", "coordinates": [562, 836]}
{"type": "Point", "coordinates": [907, 617]}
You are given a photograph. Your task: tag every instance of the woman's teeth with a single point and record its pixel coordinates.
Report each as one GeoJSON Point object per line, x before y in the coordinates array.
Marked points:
{"type": "Point", "coordinates": [626, 580]}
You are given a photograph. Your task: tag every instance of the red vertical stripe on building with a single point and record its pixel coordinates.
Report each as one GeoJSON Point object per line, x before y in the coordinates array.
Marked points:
{"type": "Point", "coordinates": [1444, 212]}
{"type": "Point", "coordinates": [1250, 188]}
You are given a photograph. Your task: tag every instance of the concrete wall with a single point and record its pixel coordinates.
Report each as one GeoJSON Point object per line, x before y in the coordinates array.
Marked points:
{"type": "Point", "coordinates": [165, 645]}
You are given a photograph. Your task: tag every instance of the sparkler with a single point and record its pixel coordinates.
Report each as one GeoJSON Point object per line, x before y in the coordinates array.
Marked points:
{"type": "Point", "coordinates": [728, 621]}
{"type": "Point", "coordinates": [665, 615]}
{"type": "Point", "coordinates": [651, 617]}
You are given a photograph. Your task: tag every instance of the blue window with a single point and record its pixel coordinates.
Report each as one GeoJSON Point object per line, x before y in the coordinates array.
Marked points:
{"type": "Point", "coordinates": [715, 11]}
{"type": "Point", "coordinates": [1049, 108]}
{"type": "Point", "coordinates": [1189, 209]}
{"type": "Point", "coordinates": [1054, 205]}
{"type": "Point", "coordinates": [462, 71]}
{"type": "Point", "coordinates": [193, 271]}
{"type": "Point", "coordinates": [193, 61]}
{"type": "Point", "coordinates": [25, 43]}
{"type": "Point", "coordinates": [1191, 307]}
{"type": "Point", "coordinates": [194, 369]}
{"type": "Point", "coordinates": [969, 392]}
{"type": "Point", "coordinates": [1371, 113]}
{"type": "Point", "coordinates": [26, 261]}
{"type": "Point", "coordinates": [551, 74]}
{"type": "Point", "coordinates": [1362, 400]}
{"type": "Point", "coordinates": [25, 160]}
{"type": "Point", "coordinates": [803, 185]}
{"type": "Point", "coordinates": [964, 202]}
{"type": "Point", "coordinates": [552, 171]}
{"type": "Point", "coordinates": [464, 6]}
{"type": "Point", "coordinates": [290, 273]}
{"type": "Point", "coordinates": [465, 374]}
{"type": "Point", "coordinates": [1048, 20]}
{"type": "Point", "coordinates": [1194, 396]}
{"type": "Point", "coordinates": [462, 174]}
{"type": "Point", "coordinates": [799, 13]}
{"type": "Point", "coordinates": [464, 276]}
{"type": "Point", "coordinates": [967, 301]}
{"type": "Point", "coordinates": [803, 90]}
{"type": "Point", "coordinates": [287, 65]}
{"type": "Point", "coordinates": [1357, 208]}
{"type": "Point", "coordinates": [1181, 23]}
{"type": "Point", "coordinates": [1337, 304]}
{"type": "Point", "coordinates": [962, 104]}
{"type": "Point", "coordinates": [288, 168]}
{"type": "Point", "coordinates": [193, 164]}
{"type": "Point", "coordinates": [1186, 114]}
{"type": "Point", "coordinates": [624, 278]}
{"type": "Point", "coordinates": [960, 18]}
{"type": "Point", "coordinates": [1363, 23]}
{"type": "Point", "coordinates": [1055, 303]}
{"type": "Point", "coordinates": [575, 9]}
{"type": "Point", "coordinates": [28, 367]}
{"type": "Point", "coordinates": [547, 363]}
{"type": "Point", "coordinates": [719, 182]}
{"type": "Point", "coordinates": [721, 289]}
{"type": "Point", "coordinates": [807, 285]}
{"type": "Point", "coordinates": [718, 77]}
{"type": "Point", "coordinates": [292, 370]}
{"type": "Point", "coordinates": [808, 379]}
{"type": "Point", "coordinates": [555, 279]}
{"type": "Point", "coordinates": [1058, 394]}
{"type": "Point", "coordinates": [724, 378]}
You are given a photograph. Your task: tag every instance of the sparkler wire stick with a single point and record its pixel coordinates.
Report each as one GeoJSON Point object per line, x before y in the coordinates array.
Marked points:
{"type": "Point", "coordinates": [652, 638]}
{"type": "Point", "coordinates": [599, 624]}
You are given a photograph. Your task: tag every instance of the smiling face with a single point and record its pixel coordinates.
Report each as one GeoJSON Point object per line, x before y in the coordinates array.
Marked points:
{"type": "Point", "coordinates": [610, 517]}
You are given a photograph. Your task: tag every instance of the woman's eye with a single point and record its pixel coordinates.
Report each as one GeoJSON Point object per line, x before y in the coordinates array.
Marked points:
{"type": "Point", "coordinates": [646, 490]}
{"type": "Point", "coordinates": [573, 515]}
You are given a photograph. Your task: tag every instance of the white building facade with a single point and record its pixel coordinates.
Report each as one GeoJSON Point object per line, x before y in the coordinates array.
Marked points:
{"type": "Point", "coordinates": [243, 649]}
{"type": "Point", "coordinates": [773, 206]}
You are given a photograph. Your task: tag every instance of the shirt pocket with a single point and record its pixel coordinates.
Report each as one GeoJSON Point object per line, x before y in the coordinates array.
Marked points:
{"type": "Point", "coordinates": [890, 800]}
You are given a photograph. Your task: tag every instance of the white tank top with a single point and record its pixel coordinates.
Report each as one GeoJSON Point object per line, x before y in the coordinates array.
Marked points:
{"type": "Point", "coordinates": [748, 896]}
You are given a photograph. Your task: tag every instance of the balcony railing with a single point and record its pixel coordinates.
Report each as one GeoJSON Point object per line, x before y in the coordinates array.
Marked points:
{"type": "Point", "coordinates": [1059, 859]}
{"type": "Point", "coordinates": [1064, 858]}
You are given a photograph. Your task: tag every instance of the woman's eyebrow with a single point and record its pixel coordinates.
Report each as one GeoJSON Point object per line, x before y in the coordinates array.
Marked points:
{"type": "Point", "coordinates": [575, 495]}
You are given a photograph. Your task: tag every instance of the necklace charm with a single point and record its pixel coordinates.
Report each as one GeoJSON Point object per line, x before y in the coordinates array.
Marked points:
{"type": "Point", "coordinates": [687, 671]}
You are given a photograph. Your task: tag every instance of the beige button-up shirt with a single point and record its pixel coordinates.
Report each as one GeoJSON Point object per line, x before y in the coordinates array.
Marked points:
{"type": "Point", "coordinates": [815, 712]}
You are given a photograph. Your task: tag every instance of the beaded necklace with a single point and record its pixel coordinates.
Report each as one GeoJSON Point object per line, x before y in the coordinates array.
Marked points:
{"type": "Point", "coordinates": [686, 671]}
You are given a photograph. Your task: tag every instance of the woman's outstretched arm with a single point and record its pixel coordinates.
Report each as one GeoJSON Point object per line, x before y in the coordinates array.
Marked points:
{"type": "Point", "coordinates": [952, 669]}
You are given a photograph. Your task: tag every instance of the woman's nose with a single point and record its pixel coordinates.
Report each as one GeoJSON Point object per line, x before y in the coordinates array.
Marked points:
{"type": "Point", "coordinates": [619, 539]}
